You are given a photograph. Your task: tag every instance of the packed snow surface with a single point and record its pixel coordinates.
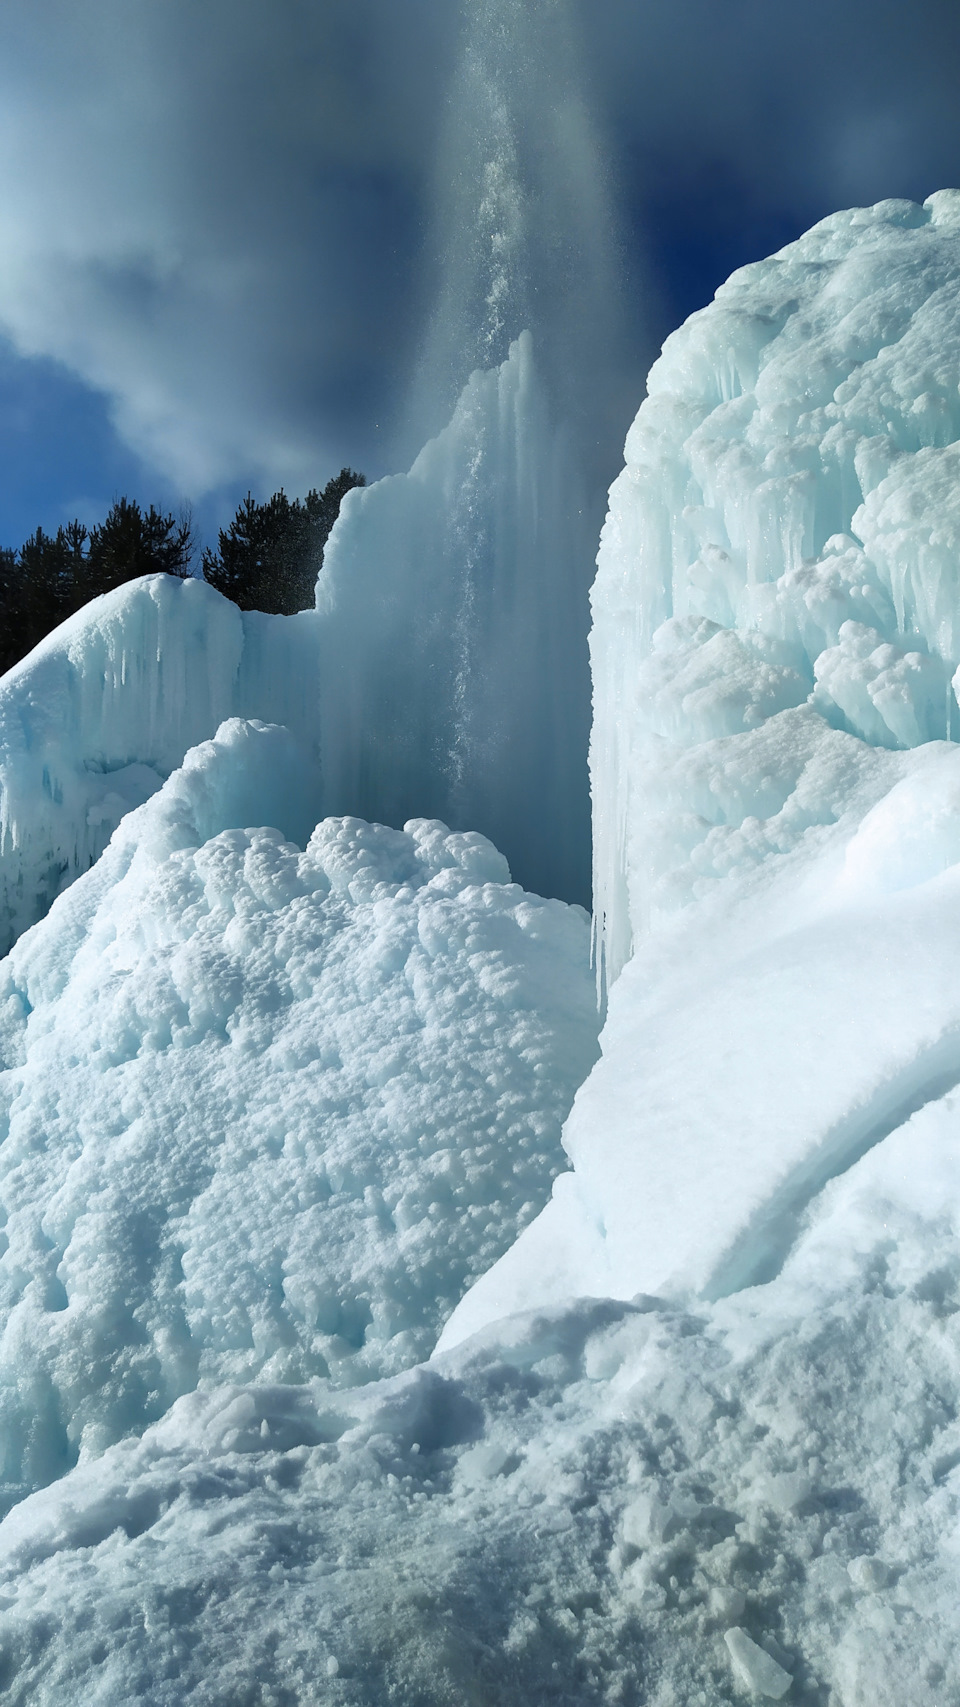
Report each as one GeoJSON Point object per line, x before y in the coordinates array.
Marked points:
{"type": "Point", "coordinates": [691, 1438]}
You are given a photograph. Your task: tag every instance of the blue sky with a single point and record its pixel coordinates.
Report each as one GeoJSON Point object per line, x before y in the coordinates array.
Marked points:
{"type": "Point", "coordinates": [215, 222]}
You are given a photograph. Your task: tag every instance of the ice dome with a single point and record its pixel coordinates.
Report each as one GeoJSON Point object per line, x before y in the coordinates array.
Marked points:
{"type": "Point", "coordinates": [267, 1111]}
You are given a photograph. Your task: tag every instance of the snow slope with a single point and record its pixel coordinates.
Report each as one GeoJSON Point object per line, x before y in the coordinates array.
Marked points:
{"type": "Point", "coordinates": [633, 1503]}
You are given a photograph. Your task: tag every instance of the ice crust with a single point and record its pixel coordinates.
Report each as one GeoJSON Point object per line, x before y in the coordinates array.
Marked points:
{"type": "Point", "coordinates": [266, 1112]}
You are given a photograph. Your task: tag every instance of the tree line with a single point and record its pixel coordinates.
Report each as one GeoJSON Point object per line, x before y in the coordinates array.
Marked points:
{"type": "Point", "coordinates": [267, 559]}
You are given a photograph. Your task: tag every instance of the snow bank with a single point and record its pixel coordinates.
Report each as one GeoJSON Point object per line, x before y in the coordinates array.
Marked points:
{"type": "Point", "coordinates": [266, 1113]}
{"type": "Point", "coordinates": [106, 707]}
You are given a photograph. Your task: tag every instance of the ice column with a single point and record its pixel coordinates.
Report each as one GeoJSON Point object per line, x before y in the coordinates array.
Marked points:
{"type": "Point", "coordinates": [453, 660]}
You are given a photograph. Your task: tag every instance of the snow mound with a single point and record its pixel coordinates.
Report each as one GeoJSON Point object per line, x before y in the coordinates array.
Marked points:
{"type": "Point", "coordinates": [617, 1502]}
{"type": "Point", "coordinates": [266, 1112]}
{"type": "Point", "coordinates": [97, 715]}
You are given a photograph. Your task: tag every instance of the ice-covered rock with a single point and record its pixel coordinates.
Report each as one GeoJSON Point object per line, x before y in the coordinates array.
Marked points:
{"type": "Point", "coordinates": [266, 1112]}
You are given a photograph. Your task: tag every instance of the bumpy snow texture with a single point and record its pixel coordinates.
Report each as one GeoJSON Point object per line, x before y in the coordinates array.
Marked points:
{"type": "Point", "coordinates": [731, 1471]}
{"type": "Point", "coordinates": [267, 1113]}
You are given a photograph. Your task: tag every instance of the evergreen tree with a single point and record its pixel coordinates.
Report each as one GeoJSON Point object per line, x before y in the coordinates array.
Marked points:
{"type": "Point", "coordinates": [51, 576]}
{"type": "Point", "coordinates": [269, 557]}
{"type": "Point", "coordinates": [130, 543]}
{"type": "Point", "coordinates": [12, 622]}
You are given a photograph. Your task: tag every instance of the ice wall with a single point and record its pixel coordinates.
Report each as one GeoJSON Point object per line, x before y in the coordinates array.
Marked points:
{"type": "Point", "coordinates": [780, 557]}
{"type": "Point", "coordinates": [95, 718]}
{"type": "Point", "coordinates": [452, 660]}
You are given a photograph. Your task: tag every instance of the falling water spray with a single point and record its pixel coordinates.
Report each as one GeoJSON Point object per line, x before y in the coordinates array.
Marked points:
{"type": "Point", "coordinates": [455, 680]}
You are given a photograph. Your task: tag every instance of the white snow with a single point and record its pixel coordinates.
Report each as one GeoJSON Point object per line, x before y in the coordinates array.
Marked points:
{"type": "Point", "coordinates": [95, 718]}
{"type": "Point", "coordinates": [579, 1507]}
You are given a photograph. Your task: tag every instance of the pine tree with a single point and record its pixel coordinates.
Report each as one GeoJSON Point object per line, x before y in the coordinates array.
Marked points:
{"type": "Point", "coordinates": [51, 576]}
{"type": "Point", "coordinates": [270, 556]}
{"type": "Point", "coordinates": [129, 543]}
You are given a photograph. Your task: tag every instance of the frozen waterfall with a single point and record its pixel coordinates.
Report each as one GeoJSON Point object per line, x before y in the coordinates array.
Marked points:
{"type": "Point", "coordinates": [452, 674]}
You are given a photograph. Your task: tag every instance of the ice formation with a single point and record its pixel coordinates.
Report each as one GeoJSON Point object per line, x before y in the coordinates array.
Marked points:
{"type": "Point", "coordinates": [446, 671]}
{"type": "Point", "coordinates": [774, 793]}
{"type": "Point", "coordinates": [452, 670]}
{"type": "Point", "coordinates": [266, 1112]}
{"type": "Point", "coordinates": [454, 674]}
{"type": "Point", "coordinates": [95, 718]}
{"type": "Point", "coordinates": [692, 1438]}
{"type": "Point", "coordinates": [783, 540]}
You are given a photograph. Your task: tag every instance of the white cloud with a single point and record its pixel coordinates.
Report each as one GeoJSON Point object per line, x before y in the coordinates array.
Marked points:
{"type": "Point", "coordinates": [217, 213]}
{"type": "Point", "coordinates": [199, 212]}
